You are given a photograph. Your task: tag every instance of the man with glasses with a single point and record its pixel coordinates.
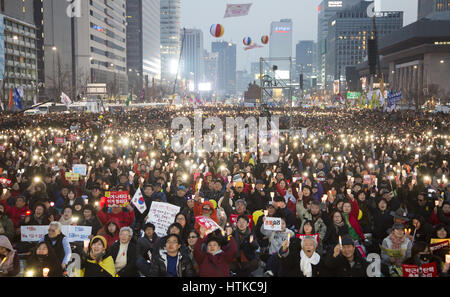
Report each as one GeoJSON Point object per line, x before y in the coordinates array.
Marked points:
{"type": "Point", "coordinates": [59, 242]}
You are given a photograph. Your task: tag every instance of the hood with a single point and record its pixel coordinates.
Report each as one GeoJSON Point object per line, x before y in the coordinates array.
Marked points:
{"type": "Point", "coordinates": [5, 243]}
{"type": "Point", "coordinates": [214, 211]}
{"type": "Point", "coordinates": [114, 221]}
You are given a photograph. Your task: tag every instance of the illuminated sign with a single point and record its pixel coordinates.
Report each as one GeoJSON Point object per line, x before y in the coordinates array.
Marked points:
{"type": "Point", "coordinates": [334, 3]}
{"type": "Point", "coordinates": [282, 29]}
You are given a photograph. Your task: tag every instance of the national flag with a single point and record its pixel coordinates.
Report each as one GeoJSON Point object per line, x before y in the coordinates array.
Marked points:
{"type": "Point", "coordinates": [65, 99]}
{"type": "Point", "coordinates": [236, 10]}
{"type": "Point", "coordinates": [138, 201]}
{"type": "Point", "coordinates": [130, 98]}
{"type": "Point", "coordinates": [16, 98]}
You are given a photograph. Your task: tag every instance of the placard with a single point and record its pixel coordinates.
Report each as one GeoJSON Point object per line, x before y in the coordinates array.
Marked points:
{"type": "Point", "coordinates": [5, 181]}
{"type": "Point", "coordinates": [426, 270]}
{"type": "Point", "coordinates": [272, 224]}
{"type": "Point", "coordinates": [59, 140]}
{"type": "Point", "coordinates": [162, 215]}
{"type": "Point", "coordinates": [439, 240]}
{"type": "Point", "coordinates": [80, 169]}
{"type": "Point", "coordinates": [208, 223]}
{"type": "Point", "coordinates": [117, 198]}
{"type": "Point", "coordinates": [73, 233]}
{"type": "Point", "coordinates": [73, 137]}
{"type": "Point", "coordinates": [398, 254]}
{"type": "Point", "coordinates": [74, 177]}
{"type": "Point", "coordinates": [437, 246]}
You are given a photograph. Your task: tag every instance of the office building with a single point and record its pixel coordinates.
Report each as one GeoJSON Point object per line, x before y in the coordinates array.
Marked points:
{"type": "Point", "coordinates": [170, 38]}
{"type": "Point", "coordinates": [226, 70]}
{"type": "Point", "coordinates": [243, 79]}
{"type": "Point", "coordinates": [134, 46]}
{"type": "Point", "coordinates": [211, 66]}
{"type": "Point", "coordinates": [281, 42]}
{"type": "Point", "coordinates": [348, 35]}
{"type": "Point", "coordinates": [427, 8]}
{"type": "Point", "coordinates": [151, 38]}
{"type": "Point", "coordinates": [18, 57]}
{"type": "Point", "coordinates": [305, 59]}
{"type": "Point", "coordinates": [327, 9]}
{"type": "Point", "coordinates": [192, 57]}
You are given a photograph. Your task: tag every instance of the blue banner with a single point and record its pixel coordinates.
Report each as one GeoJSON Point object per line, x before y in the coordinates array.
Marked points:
{"type": "Point", "coordinates": [2, 47]}
{"type": "Point", "coordinates": [16, 98]}
{"type": "Point", "coordinates": [393, 98]}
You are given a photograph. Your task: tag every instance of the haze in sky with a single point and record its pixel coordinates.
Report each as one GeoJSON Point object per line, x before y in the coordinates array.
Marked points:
{"type": "Point", "coordinates": [201, 14]}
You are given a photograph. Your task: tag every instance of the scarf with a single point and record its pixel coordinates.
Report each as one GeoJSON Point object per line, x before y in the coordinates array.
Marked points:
{"type": "Point", "coordinates": [339, 225]}
{"type": "Point", "coordinates": [305, 263]}
{"type": "Point", "coordinates": [7, 263]}
{"type": "Point", "coordinates": [396, 243]}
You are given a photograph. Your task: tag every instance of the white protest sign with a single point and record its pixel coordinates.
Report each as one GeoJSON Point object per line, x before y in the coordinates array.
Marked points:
{"type": "Point", "coordinates": [272, 224]}
{"type": "Point", "coordinates": [162, 215]}
{"type": "Point", "coordinates": [81, 169]}
{"type": "Point", "coordinates": [73, 233]}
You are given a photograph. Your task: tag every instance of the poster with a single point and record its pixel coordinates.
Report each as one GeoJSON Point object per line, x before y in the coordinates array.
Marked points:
{"type": "Point", "coordinates": [438, 246]}
{"type": "Point", "coordinates": [117, 198]}
{"type": "Point", "coordinates": [74, 177]}
{"type": "Point", "coordinates": [208, 223]}
{"type": "Point", "coordinates": [80, 169]}
{"type": "Point", "coordinates": [426, 270]}
{"type": "Point", "coordinates": [393, 253]}
{"type": "Point", "coordinates": [162, 215]}
{"type": "Point", "coordinates": [272, 224]}
{"type": "Point", "coordinates": [59, 140]}
{"type": "Point", "coordinates": [73, 233]}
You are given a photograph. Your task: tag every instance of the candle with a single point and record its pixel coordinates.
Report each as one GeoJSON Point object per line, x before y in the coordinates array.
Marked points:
{"type": "Point", "coordinates": [272, 194]}
{"type": "Point", "coordinates": [253, 186]}
{"type": "Point", "coordinates": [324, 198]}
{"type": "Point", "coordinates": [86, 245]}
{"type": "Point", "coordinates": [447, 259]}
{"type": "Point", "coordinates": [202, 200]}
{"type": "Point", "coordinates": [340, 241]}
{"type": "Point", "coordinates": [436, 202]}
{"type": "Point", "coordinates": [45, 272]}
{"type": "Point", "coordinates": [266, 212]}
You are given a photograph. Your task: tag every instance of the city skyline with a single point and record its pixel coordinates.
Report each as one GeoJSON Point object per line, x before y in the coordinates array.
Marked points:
{"type": "Point", "coordinates": [201, 14]}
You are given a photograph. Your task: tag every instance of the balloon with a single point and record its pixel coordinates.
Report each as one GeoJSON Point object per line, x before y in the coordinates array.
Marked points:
{"type": "Point", "coordinates": [265, 39]}
{"type": "Point", "coordinates": [247, 41]}
{"type": "Point", "coordinates": [217, 30]}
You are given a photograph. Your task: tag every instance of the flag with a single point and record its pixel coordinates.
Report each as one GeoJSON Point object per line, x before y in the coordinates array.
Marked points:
{"type": "Point", "coordinates": [65, 99]}
{"type": "Point", "coordinates": [130, 98]}
{"type": "Point", "coordinates": [236, 10]}
{"type": "Point", "coordinates": [16, 98]}
{"type": "Point", "coordinates": [10, 99]}
{"type": "Point", "coordinates": [138, 201]}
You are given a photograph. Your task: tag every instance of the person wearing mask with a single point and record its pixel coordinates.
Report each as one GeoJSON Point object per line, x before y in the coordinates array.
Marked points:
{"type": "Point", "coordinates": [59, 242]}
{"type": "Point", "coordinates": [246, 258]}
{"type": "Point", "coordinates": [123, 253]}
{"type": "Point", "coordinates": [171, 262]}
{"type": "Point", "coordinates": [300, 259]}
{"type": "Point", "coordinates": [420, 254]}
{"type": "Point", "coordinates": [346, 260]}
{"type": "Point", "coordinates": [9, 259]}
{"type": "Point", "coordinates": [97, 263]}
{"type": "Point", "coordinates": [43, 262]}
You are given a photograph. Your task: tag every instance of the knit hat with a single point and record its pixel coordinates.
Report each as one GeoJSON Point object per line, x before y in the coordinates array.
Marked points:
{"type": "Point", "coordinates": [101, 238]}
{"type": "Point", "coordinates": [240, 201]}
{"type": "Point", "coordinates": [347, 240]}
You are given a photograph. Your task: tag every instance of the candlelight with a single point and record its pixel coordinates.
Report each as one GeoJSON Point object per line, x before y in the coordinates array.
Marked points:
{"type": "Point", "coordinates": [45, 272]}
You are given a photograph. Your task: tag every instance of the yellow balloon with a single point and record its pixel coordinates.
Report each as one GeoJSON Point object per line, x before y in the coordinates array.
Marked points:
{"type": "Point", "coordinates": [101, 117]}
{"type": "Point", "coordinates": [360, 215]}
{"type": "Point", "coordinates": [214, 203]}
{"type": "Point", "coordinates": [256, 216]}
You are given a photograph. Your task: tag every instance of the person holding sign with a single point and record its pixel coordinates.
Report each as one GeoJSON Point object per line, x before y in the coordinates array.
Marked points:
{"type": "Point", "coordinates": [300, 259]}
{"type": "Point", "coordinates": [205, 209]}
{"type": "Point", "coordinates": [346, 260]}
{"type": "Point", "coordinates": [396, 247]}
{"type": "Point", "coordinates": [421, 256]}
{"type": "Point", "coordinates": [214, 254]}
{"type": "Point", "coordinates": [125, 216]}
{"type": "Point", "coordinates": [59, 242]}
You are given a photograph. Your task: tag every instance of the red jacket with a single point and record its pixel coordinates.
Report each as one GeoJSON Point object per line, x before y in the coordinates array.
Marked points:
{"type": "Point", "coordinates": [124, 219]}
{"type": "Point", "coordinates": [198, 212]}
{"type": "Point", "coordinates": [15, 214]}
{"type": "Point", "coordinates": [110, 239]}
{"type": "Point", "coordinates": [222, 260]}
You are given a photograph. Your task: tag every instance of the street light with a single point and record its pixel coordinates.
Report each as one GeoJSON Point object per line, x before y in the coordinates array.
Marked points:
{"type": "Point", "coordinates": [54, 48]}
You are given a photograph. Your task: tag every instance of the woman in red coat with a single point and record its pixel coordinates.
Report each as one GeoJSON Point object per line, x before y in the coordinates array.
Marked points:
{"type": "Point", "coordinates": [215, 258]}
{"type": "Point", "coordinates": [351, 213]}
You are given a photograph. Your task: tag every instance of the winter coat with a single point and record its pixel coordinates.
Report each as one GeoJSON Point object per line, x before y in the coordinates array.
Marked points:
{"type": "Point", "coordinates": [110, 238]}
{"type": "Point", "coordinates": [332, 237]}
{"type": "Point", "coordinates": [303, 214]}
{"type": "Point", "coordinates": [405, 248]}
{"type": "Point", "coordinates": [340, 267]}
{"type": "Point", "coordinates": [8, 227]}
{"type": "Point", "coordinates": [244, 247]}
{"type": "Point", "coordinates": [130, 270]}
{"type": "Point", "coordinates": [125, 219]}
{"type": "Point", "coordinates": [217, 265]}
{"type": "Point", "coordinates": [185, 267]}
{"type": "Point", "coordinates": [16, 214]}
{"type": "Point", "coordinates": [105, 268]}
{"type": "Point", "coordinates": [256, 201]}
{"type": "Point", "coordinates": [381, 221]}
{"type": "Point", "coordinates": [276, 238]}
{"type": "Point", "coordinates": [353, 218]}
{"type": "Point", "coordinates": [290, 261]}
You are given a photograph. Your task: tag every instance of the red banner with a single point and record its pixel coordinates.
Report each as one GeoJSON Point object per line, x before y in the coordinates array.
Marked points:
{"type": "Point", "coordinates": [233, 220]}
{"type": "Point", "coordinates": [208, 223]}
{"type": "Point", "coordinates": [426, 270]}
{"type": "Point", "coordinates": [73, 137]}
{"type": "Point", "coordinates": [302, 236]}
{"type": "Point", "coordinates": [120, 199]}
{"type": "Point", "coordinates": [5, 181]}
{"type": "Point", "coordinates": [59, 140]}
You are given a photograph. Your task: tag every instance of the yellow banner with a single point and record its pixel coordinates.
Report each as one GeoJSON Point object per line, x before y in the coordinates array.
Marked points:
{"type": "Point", "coordinates": [72, 176]}
{"type": "Point", "coordinates": [439, 240]}
{"type": "Point", "coordinates": [393, 253]}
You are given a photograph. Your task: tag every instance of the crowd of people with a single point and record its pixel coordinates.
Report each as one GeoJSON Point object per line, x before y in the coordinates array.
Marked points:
{"type": "Point", "coordinates": [347, 184]}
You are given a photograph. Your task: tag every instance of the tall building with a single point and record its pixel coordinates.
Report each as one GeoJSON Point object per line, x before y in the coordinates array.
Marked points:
{"type": "Point", "coordinates": [89, 47]}
{"type": "Point", "coordinates": [192, 56]}
{"type": "Point", "coordinates": [430, 7]}
{"type": "Point", "coordinates": [170, 38]}
{"type": "Point", "coordinates": [134, 45]}
{"type": "Point", "coordinates": [305, 58]}
{"type": "Point", "coordinates": [226, 71]}
{"type": "Point", "coordinates": [151, 38]}
{"type": "Point", "coordinates": [18, 56]}
{"type": "Point", "coordinates": [327, 9]}
{"type": "Point", "coordinates": [281, 42]}
{"type": "Point", "coordinates": [243, 79]}
{"type": "Point", "coordinates": [211, 66]}
{"type": "Point", "coordinates": [348, 35]}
